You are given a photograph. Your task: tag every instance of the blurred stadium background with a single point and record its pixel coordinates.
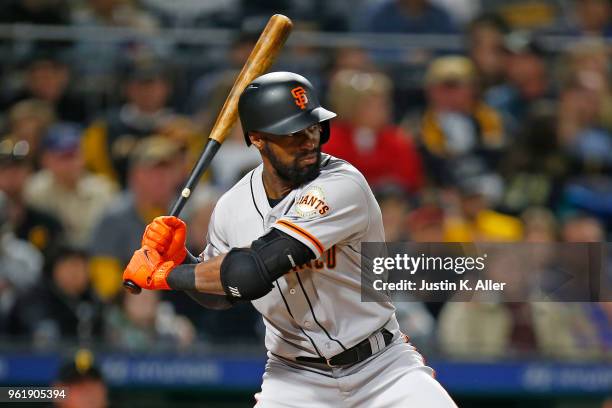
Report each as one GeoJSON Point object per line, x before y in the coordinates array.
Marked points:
{"type": "Point", "coordinates": [472, 121]}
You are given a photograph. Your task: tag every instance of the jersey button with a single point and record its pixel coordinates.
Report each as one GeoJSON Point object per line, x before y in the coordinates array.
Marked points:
{"type": "Point", "coordinates": [307, 324]}
{"type": "Point", "coordinates": [292, 291]}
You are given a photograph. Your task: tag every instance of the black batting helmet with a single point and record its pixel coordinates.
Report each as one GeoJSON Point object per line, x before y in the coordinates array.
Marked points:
{"type": "Point", "coordinates": [281, 103]}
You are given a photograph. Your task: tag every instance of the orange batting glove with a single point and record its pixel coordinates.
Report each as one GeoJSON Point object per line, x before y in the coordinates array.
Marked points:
{"type": "Point", "coordinates": [148, 269]}
{"type": "Point", "coordinates": [167, 236]}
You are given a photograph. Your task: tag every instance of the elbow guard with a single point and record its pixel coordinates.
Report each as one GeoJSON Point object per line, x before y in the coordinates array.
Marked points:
{"type": "Point", "coordinates": [249, 273]}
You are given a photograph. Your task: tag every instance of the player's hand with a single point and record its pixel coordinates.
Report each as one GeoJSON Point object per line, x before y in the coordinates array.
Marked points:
{"type": "Point", "coordinates": [148, 269]}
{"type": "Point", "coordinates": [167, 236]}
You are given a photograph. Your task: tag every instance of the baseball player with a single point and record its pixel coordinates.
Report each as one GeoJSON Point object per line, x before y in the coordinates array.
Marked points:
{"type": "Point", "coordinates": [287, 238]}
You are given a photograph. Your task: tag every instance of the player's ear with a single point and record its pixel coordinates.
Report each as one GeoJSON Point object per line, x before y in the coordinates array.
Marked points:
{"type": "Point", "coordinates": [256, 139]}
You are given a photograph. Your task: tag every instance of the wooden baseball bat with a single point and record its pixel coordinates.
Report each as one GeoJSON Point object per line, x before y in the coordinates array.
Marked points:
{"type": "Point", "coordinates": [265, 51]}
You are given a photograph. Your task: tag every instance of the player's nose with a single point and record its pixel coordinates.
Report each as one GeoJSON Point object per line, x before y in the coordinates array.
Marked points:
{"type": "Point", "coordinates": [308, 144]}
{"type": "Point", "coordinates": [311, 139]}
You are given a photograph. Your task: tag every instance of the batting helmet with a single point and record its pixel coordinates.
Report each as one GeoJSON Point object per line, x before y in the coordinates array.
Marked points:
{"type": "Point", "coordinates": [281, 103]}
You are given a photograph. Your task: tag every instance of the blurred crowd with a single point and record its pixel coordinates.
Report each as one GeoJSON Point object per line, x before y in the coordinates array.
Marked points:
{"type": "Point", "coordinates": [508, 139]}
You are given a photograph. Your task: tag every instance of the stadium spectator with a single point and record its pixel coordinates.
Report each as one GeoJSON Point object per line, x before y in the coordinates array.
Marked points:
{"type": "Point", "coordinates": [426, 224]}
{"type": "Point", "coordinates": [461, 332]}
{"type": "Point", "coordinates": [143, 323]}
{"type": "Point", "coordinates": [587, 18]}
{"type": "Point", "coordinates": [486, 48]}
{"type": "Point", "coordinates": [28, 120]}
{"type": "Point", "coordinates": [39, 228]}
{"type": "Point", "coordinates": [262, 9]}
{"type": "Point", "coordinates": [83, 383]}
{"type": "Point", "coordinates": [109, 140]}
{"type": "Point", "coordinates": [461, 11]}
{"type": "Point", "coordinates": [527, 82]}
{"type": "Point", "coordinates": [195, 13]}
{"type": "Point", "coordinates": [535, 165]}
{"type": "Point", "coordinates": [114, 13]}
{"type": "Point", "coordinates": [405, 16]}
{"type": "Point", "coordinates": [394, 206]}
{"type": "Point", "coordinates": [98, 61]}
{"type": "Point", "coordinates": [540, 225]}
{"type": "Point", "coordinates": [573, 330]}
{"type": "Point", "coordinates": [21, 265]}
{"type": "Point", "coordinates": [470, 217]}
{"type": "Point", "coordinates": [586, 56]}
{"type": "Point", "coordinates": [64, 189]}
{"type": "Point", "coordinates": [156, 170]}
{"type": "Point", "coordinates": [585, 129]}
{"type": "Point", "coordinates": [48, 78]}
{"type": "Point", "coordinates": [364, 134]}
{"type": "Point", "coordinates": [461, 135]}
{"type": "Point", "coordinates": [509, 325]}
{"type": "Point", "coordinates": [402, 17]}
{"type": "Point", "coordinates": [582, 228]}
{"type": "Point", "coordinates": [350, 59]}
{"type": "Point", "coordinates": [62, 308]}
{"type": "Point", "coordinates": [585, 105]}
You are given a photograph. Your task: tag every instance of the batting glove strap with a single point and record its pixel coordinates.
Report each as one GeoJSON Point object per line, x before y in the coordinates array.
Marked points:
{"type": "Point", "coordinates": [159, 279]}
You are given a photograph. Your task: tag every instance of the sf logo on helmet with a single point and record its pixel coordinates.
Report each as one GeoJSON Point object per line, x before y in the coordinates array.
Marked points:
{"type": "Point", "coordinates": [299, 95]}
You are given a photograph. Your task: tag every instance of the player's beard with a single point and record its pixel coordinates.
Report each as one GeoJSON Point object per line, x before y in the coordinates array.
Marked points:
{"type": "Point", "coordinates": [294, 173]}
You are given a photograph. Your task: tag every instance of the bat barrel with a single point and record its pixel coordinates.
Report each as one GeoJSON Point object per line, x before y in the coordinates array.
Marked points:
{"type": "Point", "coordinates": [264, 53]}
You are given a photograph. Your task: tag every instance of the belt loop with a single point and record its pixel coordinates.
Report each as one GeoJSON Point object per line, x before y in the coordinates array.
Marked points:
{"type": "Point", "coordinates": [373, 345]}
{"type": "Point", "coordinates": [377, 342]}
{"type": "Point", "coordinates": [381, 339]}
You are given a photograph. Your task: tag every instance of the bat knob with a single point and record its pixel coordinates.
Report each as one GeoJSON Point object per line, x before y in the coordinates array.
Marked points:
{"type": "Point", "coordinates": [133, 288]}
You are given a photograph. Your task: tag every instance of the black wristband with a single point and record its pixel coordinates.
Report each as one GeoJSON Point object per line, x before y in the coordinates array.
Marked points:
{"type": "Point", "coordinates": [182, 277]}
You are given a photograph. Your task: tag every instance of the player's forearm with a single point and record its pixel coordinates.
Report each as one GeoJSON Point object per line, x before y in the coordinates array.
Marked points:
{"type": "Point", "coordinates": [203, 277]}
{"type": "Point", "coordinates": [208, 276]}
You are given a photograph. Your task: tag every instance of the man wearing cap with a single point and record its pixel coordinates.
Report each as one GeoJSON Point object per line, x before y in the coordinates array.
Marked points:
{"type": "Point", "coordinates": [48, 79]}
{"type": "Point", "coordinates": [63, 187]}
{"type": "Point", "coordinates": [156, 169]}
{"type": "Point", "coordinates": [41, 229]}
{"type": "Point", "coordinates": [82, 382]}
{"type": "Point", "coordinates": [527, 83]}
{"type": "Point", "coordinates": [462, 136]}
{"type": "Point", "coordinates": [110, 139]}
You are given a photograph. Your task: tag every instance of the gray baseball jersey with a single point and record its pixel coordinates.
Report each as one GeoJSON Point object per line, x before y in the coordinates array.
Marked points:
{"type": "Point", "coordinates": [315, 310]}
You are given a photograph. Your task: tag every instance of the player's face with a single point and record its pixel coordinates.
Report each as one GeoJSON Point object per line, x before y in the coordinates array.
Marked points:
{"type": "Point", "coordinates": [296, 157]}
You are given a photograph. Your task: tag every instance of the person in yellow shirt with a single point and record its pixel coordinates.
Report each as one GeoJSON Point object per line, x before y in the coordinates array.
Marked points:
{"type": "Point", "coordinates": [461, 135]}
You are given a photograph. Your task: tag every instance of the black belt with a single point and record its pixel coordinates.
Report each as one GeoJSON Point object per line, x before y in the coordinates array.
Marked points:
{"type": "Point", "coordinates": [353, 355]}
